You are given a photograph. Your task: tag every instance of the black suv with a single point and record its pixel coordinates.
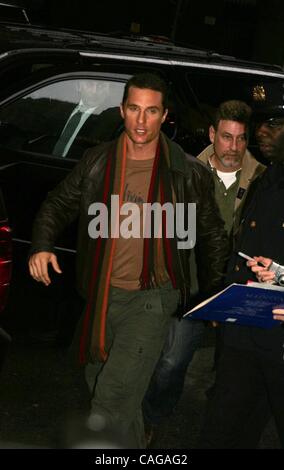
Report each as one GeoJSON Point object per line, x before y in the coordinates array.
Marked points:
{"type": "Point", "coordinates": [41, 74]}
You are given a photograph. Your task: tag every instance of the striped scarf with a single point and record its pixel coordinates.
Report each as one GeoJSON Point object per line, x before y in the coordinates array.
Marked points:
{"type": "Point", "coordinates": [92, 341]}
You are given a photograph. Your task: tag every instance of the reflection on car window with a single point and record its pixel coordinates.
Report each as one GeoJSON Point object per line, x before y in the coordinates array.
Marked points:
{"type": "Point", "coordinates": [63, 119]}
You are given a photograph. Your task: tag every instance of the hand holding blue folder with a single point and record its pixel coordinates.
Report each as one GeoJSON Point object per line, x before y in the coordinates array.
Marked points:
{"type": "Point", "coordinates": [249, 304]}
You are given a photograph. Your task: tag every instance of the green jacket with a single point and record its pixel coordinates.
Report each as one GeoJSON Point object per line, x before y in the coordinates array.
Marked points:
{"type": "Point", "coordinates": [250, 170]}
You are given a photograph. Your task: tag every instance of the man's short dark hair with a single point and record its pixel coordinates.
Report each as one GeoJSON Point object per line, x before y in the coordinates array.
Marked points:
{"type": "Point", "coordinates": [150, 81]}
{"type": "Point", "coordinates": [233, 110]}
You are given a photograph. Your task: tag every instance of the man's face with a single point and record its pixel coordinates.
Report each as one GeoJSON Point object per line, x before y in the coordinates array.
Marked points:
{"type": "Point", "coordinates": [93, 92]}
{"type": "Point", "coordinates": [230, 143]}
{"type": "Point", "coordinates": [267, 134]}
{"type": "Point", "coordinates": [143, 115]}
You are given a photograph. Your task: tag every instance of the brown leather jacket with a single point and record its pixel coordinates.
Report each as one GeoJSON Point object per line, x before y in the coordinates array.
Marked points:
{"type": "Point", "coordinates": [193, 183]}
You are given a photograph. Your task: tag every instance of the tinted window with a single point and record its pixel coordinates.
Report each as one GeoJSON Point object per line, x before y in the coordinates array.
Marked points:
{"type": "Point", "coordinates": [38, 121]}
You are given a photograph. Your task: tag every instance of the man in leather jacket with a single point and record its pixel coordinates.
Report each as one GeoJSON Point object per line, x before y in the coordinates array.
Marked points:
{"type": "Point", "coordinates": [133, 284]}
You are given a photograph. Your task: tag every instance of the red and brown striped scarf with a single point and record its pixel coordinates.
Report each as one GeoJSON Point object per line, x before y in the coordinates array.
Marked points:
{"type": "Point", "coordinates": [92, 341]}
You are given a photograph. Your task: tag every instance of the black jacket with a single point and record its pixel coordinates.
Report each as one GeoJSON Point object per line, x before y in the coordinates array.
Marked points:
{"type": "Point", "coordinates": [261, 232]}
{"type": "Point", "coordinates": [193, 183]}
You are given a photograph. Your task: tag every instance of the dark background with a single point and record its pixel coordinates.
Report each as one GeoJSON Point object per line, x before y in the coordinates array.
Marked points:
{"type": "Point", "coordinates": [248, 29]}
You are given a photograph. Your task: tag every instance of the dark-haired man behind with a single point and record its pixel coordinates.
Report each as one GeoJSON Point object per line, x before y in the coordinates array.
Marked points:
{"type": "Point", "coordinates": [132, 285]}
{"type": "Point", "coordinates": [233, 168]}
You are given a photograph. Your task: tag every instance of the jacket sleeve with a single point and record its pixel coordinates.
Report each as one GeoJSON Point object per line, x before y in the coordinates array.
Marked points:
{"type": "Point", "coordinates": [60, 208]}
{"type": "Point", "coordinates": [212, 244]}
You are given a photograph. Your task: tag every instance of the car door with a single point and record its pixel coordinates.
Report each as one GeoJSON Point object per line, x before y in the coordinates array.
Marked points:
{"type": "Point", "coordinates": [32, 122]}
{"type": "Point", "coordinates": [31, 125]}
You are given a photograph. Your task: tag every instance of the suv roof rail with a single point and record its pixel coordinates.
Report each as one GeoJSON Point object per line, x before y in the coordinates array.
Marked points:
{"type": "Point", "coordinates": [132, 43]}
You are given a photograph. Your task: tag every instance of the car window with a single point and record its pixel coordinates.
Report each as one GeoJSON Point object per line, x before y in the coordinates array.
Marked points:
{"type": "Point", "coordinates": [43, 121]}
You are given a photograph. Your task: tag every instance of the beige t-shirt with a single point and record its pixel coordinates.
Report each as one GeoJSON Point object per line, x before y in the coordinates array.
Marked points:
{"type": "Point", "coordinates": [128, 255]}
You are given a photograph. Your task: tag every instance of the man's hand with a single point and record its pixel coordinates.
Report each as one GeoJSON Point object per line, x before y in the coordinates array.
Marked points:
{"type": "Point", "coordinates": [38, 266]}
{"type": "Point", "coordinates": [261, 272]}
{"type": "Point", "coordinates": [278, 314]}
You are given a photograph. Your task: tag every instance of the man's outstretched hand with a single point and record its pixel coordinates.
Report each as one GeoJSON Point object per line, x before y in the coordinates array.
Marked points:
{"type": "Point", "coordinates": [38, 266]}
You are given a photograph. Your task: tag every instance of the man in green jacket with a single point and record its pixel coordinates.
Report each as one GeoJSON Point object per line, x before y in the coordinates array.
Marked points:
{"type": "Point", "coordinates": [132, 280]}
{"type": "Point", "coordinates": [232, 165]}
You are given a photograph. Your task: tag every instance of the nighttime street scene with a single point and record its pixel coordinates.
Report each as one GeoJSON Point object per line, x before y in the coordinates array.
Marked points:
{"type": "Point", "coordinates": [141, 228]}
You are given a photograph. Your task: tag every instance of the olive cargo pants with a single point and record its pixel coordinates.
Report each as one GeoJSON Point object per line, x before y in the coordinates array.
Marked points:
{"type": "Point", "coordinates": [137, 324]}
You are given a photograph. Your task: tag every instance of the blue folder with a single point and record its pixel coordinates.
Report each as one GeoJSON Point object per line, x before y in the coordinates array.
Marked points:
{"type": "Point", "coordinates": [240, 304]}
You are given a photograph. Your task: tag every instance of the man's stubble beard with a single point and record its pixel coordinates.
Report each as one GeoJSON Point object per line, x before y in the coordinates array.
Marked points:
{"type": "Point", "coordinates": [233, 163]}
